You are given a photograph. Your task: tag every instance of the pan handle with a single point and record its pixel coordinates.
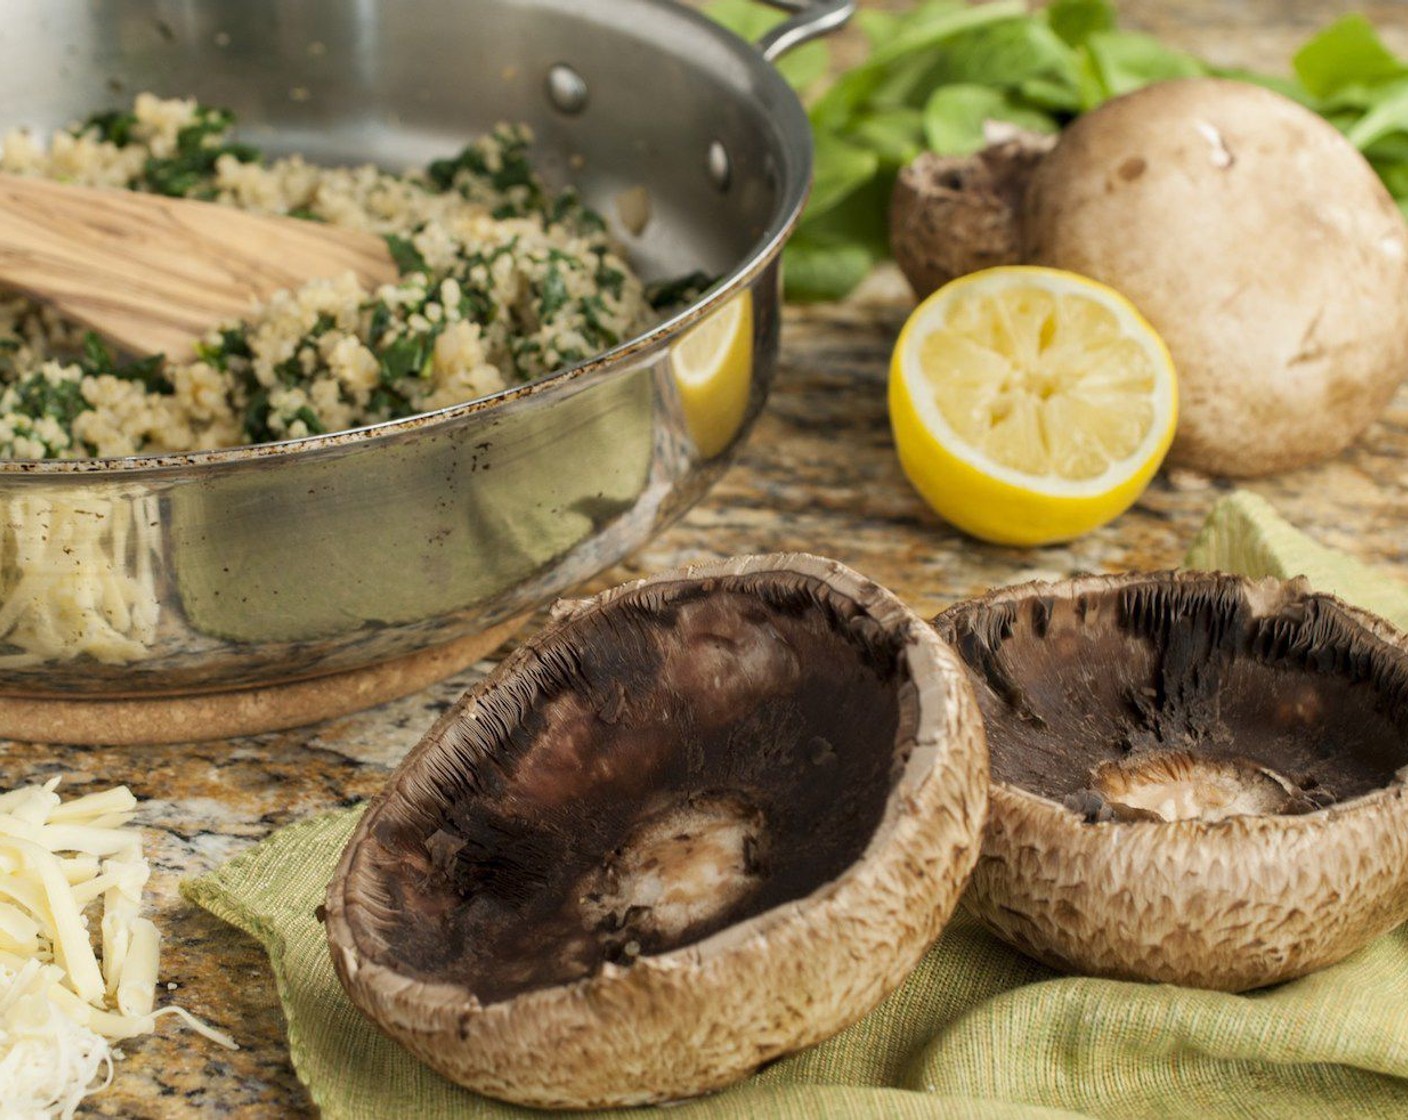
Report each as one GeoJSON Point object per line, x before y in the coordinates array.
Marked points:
{"type": "Point", "coordinates": [811, 19]}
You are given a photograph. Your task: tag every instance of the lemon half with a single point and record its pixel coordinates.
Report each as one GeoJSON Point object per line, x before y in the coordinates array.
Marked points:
{"type": "Point", "coordinates": [1030, 405]}
{"type": "Point", "coordinates": [713, 368]}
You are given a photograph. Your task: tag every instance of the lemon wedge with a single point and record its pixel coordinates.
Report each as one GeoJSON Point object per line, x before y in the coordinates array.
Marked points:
{"type": "Point", "coordinates": [713, 368]}
{"type": "Point", "coordinates": [1030, 405]}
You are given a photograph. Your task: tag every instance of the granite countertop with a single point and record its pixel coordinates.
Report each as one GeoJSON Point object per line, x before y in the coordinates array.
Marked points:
{"type": "Point", "coordinates": [818, 474]}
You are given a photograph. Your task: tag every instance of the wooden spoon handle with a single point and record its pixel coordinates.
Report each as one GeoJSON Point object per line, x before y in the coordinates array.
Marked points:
{"type": "Point", "coordinates": [152, 274]}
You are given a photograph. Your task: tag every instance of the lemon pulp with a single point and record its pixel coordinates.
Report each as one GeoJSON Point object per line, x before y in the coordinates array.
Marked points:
{"type": "Point", "coordinates": [1030, 405]}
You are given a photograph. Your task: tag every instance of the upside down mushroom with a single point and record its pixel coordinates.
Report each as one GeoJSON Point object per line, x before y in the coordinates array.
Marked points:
{"type": "Point", "coordinates": [697, 823]}
{"type": "Point", "coordinates": [1197, 779]}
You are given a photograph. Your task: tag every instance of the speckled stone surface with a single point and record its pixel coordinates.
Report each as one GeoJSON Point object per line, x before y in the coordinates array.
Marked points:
{"type": "Point", "coordinates": [818, 474]}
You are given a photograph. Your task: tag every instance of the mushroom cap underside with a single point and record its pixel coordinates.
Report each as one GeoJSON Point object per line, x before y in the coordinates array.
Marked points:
{"type": "Point", "coordinates": [698, 822]}
{"type": "Point", "coordinates": [1197, 778]}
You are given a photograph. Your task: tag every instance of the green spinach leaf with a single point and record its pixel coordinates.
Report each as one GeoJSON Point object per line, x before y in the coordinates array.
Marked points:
{"type": "Point", "coordinates": [802, 67]}
{"type": "Point", "coordinates": [1076, 20]}
{"type": "Point", "coordinates": [895, 135]}
{"type": "Point", "coordinates": [841, 168]}
{"type": "Point", "coordinates": [1007, 54]}
{"type": "Point", "coordinates": [406, 256]}
{"type": "Point", "coordinates": [816, 270]}
{"type": "Point", "coordinates": [1387, 117]}
{"type": "Point", "coordinates": [928, 27]}
{"type": "Point", "coordinates": [1128, 60]}
{"type": "Point", "coordinates": [955, 116]}
{"type": "Point", "coordinates": [1347, 53]}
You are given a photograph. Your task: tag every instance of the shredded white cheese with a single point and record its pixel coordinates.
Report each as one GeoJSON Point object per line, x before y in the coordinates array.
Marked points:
{"type": "Point", "coordinates": [62, 1005]}
{"type": "Point", "coordinates": [48, 1062]}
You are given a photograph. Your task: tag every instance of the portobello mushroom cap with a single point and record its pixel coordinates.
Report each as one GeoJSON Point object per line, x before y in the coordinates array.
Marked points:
{"type": "Point", "coordinates": [1197, 778]}
{"type": "Point", "coordinates": [697, 822]}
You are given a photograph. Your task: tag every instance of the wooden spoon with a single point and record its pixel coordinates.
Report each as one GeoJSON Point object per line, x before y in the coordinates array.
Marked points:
{"type": "Point", "coordinates": [152, 274]}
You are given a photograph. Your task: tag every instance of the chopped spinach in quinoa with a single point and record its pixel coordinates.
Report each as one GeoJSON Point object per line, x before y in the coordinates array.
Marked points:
{"type": "Point", "coordinates": [502, 280]}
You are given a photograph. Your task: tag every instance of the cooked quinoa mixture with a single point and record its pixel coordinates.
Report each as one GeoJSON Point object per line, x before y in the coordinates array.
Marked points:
{"type": "Point", "coordinates": [501, 282]}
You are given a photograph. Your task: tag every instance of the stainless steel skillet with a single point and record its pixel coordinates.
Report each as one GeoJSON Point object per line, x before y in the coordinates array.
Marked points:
{"type": "Point", "coordinates": [257, 566]}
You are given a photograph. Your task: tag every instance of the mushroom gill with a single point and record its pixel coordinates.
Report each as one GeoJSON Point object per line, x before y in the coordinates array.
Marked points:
{"type": "Point", "coordinates": [1074, 675]}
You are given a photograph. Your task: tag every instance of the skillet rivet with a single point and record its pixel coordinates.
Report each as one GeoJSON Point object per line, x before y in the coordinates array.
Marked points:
{"type": "Point", "coordinates": [719, 165]}
{"type": "Point", "coordinates": [566, 89]}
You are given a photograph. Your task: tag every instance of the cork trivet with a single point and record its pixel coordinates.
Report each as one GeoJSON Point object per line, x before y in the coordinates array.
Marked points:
{"type": "Point", "coordinates": [226, 715]}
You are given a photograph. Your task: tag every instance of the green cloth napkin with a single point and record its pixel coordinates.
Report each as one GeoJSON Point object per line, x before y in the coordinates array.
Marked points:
{"type": "Point", "coordinates": [978, 1031]}
{"type": "Point", "coordinates": [1244, 534]}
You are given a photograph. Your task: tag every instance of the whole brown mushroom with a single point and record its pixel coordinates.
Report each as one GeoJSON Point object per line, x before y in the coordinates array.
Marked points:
{"type": "Point", "coordinates": [1261, 246]}
{"type": "Point", "coordinates": [1197, 779]}
{"type": "Point", "coordinates": [698, 822]}
{"type": "Point", "coordinates": [951, 215]}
